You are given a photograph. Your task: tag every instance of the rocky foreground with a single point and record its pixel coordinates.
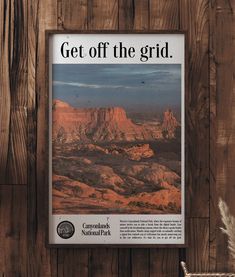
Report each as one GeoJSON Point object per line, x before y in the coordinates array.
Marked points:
{"type": "Point", "coordinates": [115, 179]}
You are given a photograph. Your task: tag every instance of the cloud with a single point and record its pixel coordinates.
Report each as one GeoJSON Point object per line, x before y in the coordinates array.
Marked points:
{"type": "Point", "coordinates": [83, 85]}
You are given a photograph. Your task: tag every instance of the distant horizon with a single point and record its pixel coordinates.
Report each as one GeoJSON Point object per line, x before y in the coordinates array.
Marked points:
{"type": "Point", "coordinates": [134, 87]}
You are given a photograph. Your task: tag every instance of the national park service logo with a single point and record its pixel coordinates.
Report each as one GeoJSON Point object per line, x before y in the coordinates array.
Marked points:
{"type": "Point", "coordinates": [65, 229]}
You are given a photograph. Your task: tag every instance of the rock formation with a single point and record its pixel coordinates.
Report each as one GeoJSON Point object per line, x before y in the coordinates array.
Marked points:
{"type": "Point", "coordinates": [138, 152]}
{"type": "Point", "coordinates": [134, 153]}
{"type": "Point", "coordinates": [97, 124]}
{"type": "Point", "coordinates": [114, 165]}
{"type": "Point", "coordinates": [105, 124]}
{"type": "Point", "coordinates": [169, 124]}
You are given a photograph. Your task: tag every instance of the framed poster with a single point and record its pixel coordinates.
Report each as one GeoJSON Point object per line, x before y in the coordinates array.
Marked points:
{"type": "Point", "coordinates": [116, 138]}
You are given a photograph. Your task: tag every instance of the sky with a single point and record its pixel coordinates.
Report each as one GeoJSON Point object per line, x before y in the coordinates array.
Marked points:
{"type": "Point", "coordinates": [135, 87]}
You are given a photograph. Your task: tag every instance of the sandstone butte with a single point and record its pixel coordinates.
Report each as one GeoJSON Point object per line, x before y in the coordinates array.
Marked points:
{"type": "Point", "coordinates": [105, 124]}
{"type": "Point", "coordinates": [169, 124]}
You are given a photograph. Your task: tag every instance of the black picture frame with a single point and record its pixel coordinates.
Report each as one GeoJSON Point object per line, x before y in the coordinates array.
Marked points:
{"type": "Point", "coordinates": [48, 33]}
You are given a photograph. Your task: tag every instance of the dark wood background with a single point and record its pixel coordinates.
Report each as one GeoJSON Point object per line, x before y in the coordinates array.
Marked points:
{"type": "Point", "coordinates": [210, 130]}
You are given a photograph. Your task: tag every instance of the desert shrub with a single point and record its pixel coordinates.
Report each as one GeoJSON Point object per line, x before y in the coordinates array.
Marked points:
{"type": "Point", "coordinates": [132, 203]}
{"type": "Point", "coordinates": [93, 195]}
{"type": "Point", "coordinates": [77, 191]}
{"type": "Point", "coordinates": [58, 185]}
{"type": "Point", "coordinates": [118, 202]}
{"type": "Point", "coordinates": [172, 206]}
{"type": "Point", "coordinates": [136, 204]}
{"type": "Point", "coordinates": [140, 204]}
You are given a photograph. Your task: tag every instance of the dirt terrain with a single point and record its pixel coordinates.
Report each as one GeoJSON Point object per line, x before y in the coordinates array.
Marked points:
{"type": "Point", "coordinates": [103, 162]}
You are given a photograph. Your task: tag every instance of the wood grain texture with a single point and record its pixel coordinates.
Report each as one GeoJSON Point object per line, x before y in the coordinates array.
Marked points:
{"type": "Point", "coordinates": [140, 262]}
{"type": "Point", "coordinates": [103, 262]}
{"type": "Point", "coordinates": [102, 14]}
{"type": "Point", "coordinates": [164, 262]}
{"type": "Point", "coordinates": [164, 14]}
{"type": "Point", "coordinates": [72, 15]}
{"type": "Point", "coordinates": [133, 14]}
{"type": "Point", "coordinates": [13, 92]}
{"type": "Point", "coordinates": [213, 194]}
{"type": "Point", "coordinates": [73, 262]}
{"type": "Point", "coordinates": [127, 14]}
{"type": "Point", "coordinates": [13, 231]}
{"type": "Point", "coordinates": [124, 262]}
{"type": "Point", "coordinates": [197, 253]}
{"type": "Point", "coordinates": [194, 17]}
{"type": "Point", "coordinates": [41, 261]}
{"type": "Point", "coordinates": [222, 126]}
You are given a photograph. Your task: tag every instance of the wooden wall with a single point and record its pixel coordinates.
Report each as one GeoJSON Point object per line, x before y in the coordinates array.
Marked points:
{"type": "Point", "coordinates": [210, 130]}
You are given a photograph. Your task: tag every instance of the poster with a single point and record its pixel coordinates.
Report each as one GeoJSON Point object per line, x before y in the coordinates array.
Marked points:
{"type": "Point", "coordinates": [116, 139]}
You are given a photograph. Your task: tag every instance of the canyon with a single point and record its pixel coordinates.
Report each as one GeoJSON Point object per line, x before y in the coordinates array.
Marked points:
{"type": "Point", "coordinates": [106, 162]}
{"type": "Point", "coordinates": [106, 124]}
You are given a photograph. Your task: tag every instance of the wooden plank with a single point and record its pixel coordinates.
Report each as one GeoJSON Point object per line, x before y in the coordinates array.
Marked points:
{"type": "Point", "coordinates": [124, 262]}
{"type": "Point", "coordinates": [133, 14]}
{"type": "Point", "coordinates": [13, 231]}
{"type": "Point", "coordinates": [194, 16]}
{"type": "Point", "coordinates": [127, 14]}
{"type": "Point", "coordinates": [164, 262]}
{"type": "Point", "coordinates": [222, 127]}
{"type": "Point", "coordinates": [140, 262]}
{"type": "Point", "coordinates": [13, 92]}
{"type": "Point", "coordinates": [41, 261]}
{"type": "Point", "coordinates": [73, 262]}
{"type": "Point", "coordinates": [197, 254]}
{"type": "Point", "coordinates": [103, 262]}
{"type": "Point", "coordinates": [72, 15]}
{"type": "Point", "coordinates": [213, 196]}
{"type": "Point", "coordinates": [102, 14]}
{"type": "Point", "coordinates": [164, 14]}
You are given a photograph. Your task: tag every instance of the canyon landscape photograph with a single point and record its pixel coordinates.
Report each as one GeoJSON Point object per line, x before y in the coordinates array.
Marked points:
{"type": "Point", "coordinates": [116, 139]}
